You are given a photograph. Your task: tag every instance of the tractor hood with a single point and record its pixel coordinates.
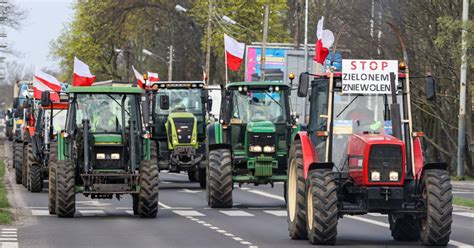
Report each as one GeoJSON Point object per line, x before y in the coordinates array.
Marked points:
{"type": "Point", "coordinates": [181, 130]}
{"type": "Point", "coordinates": [261, 127]}
{"type": "Point", "coordinates": [107, 138]}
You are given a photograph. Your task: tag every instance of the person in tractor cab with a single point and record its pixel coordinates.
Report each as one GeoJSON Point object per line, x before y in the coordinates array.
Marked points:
{"type": "Point", "coordinates": [363, 118]}
{"type": "Point", "coordinates": [104, 120]}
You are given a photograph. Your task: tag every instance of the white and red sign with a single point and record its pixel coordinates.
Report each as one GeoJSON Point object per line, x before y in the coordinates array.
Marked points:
{"type": "Point", "coordinates": [234, 52]}
{"type": "Point", "coordinates": [44, 82]}
{"type": "Point", "coordinates": [368, 76]}
{"type": "Point", "coordinates": [82, 75]}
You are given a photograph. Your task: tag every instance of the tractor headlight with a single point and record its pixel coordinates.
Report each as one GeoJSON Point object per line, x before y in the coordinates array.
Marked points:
{"type": "Point", "coordinates": [375, 176]}
{"type": "Point", "coordinates": [255, 148]}
{"type": "Point", "coordinates": [268, 149]}
{"type": "Point", "coordinates": [393, 176]}
{"type": "Point", "coordinates": [115, 156]}
{"type": "Point", "coordinates": [100, 156]}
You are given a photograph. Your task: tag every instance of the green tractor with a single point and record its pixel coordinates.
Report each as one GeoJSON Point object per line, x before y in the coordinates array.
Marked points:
{"type": "Point", "coordinates": [179, 124]}
{"type": "Point", "coordinates": [250, 142]}
{"type": "Point", "coordinates": [106, 150]}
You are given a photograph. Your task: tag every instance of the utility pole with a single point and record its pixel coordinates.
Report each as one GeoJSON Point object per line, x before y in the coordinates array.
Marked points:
{"type": "Point", "coordinates": [462, 95]}
{"type": "Point", "coordinates": [264, 42]}
{"type": "Point", "coordinates": [306, 36]}
{"type": "Point", "coordinates": [208, 44]}
{"type": "Point", "coordinates": [170, 64]}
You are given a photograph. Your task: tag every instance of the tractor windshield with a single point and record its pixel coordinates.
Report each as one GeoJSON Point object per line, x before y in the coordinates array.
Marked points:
{"type": "Point", "coordinates": [258, 105]}
{"type": "Point", "coordinates": [181, 100]}
{"type": "Point", "coordinates": [104, 111]}
{"type": "Point", "coordinates": [59, 119]}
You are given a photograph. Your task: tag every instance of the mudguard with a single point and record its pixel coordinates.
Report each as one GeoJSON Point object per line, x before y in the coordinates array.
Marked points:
{"type": "Point", "coordinates": [214, 137]}
{"type": "Point", "coordinates": [418, 156]}
{"type": "Point", "coordinates": [306, 147]}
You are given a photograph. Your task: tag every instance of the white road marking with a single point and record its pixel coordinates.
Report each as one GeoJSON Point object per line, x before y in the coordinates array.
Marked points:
{"type": "Point", "coordinates": [92, 212]}
{"type": "Point", "coordinates": [36, 212]}
{"type": "Point", "coordinates": [9, 244]}
{"type": "Point", "coordinates": [163, 205]}
{"type": "Point", "coordinates": [463, 192]}
{"type": "Point", "coordinates": [465, 214]}
{"type": "Point", "coordinates": [377, 214]}
{"type": "Point", "coordinates": [279, 213]}
{"type": "Point", "coordinates": [123, 208]}
{"type": "Point", "coordinates": [8, 239]}
{"type": "Point", "coordinates": [130, 212]}
{"type": "Point", "coordinates": [451, 242]}
{"type": "Point", "coordinates": [9, 229]}
{"type": "Point", "coordinates": [94, 203]}
{"type": "Point", "coordinates": [190, 191]}
{"type": "Point", "coordinates": [245, 243]}
{"type": "Point", "coordinates": [262, 193]}
{"type": "Point", "coordinates": [235, 213]}
{"type": "Point", "coordinates": [237, 238]}
{"type": "Point", "coordinates": [188, 213]}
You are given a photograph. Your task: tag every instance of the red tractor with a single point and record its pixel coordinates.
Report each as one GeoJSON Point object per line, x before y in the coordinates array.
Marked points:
{"type": "Point", "coordinates": [359, 155]}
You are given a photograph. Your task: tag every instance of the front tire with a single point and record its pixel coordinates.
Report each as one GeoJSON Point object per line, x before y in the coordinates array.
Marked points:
{"type": "Point", "coordinates": [149, 186]}
{"type": "Point", "coordinates": [295, 193]}
{"type": "Point", "coordinates": [436, 191]}
{"type": "Point", "coordinates": [219, 185]}
{"type": "Point", "coordinates": [36, 178]}
{"type": "Point", "coordinates": [24, 166]}
{"type": "Point", "coordinates": [53, 159]}
{"type": "Point", "coordinates": [321, 205]}
{"type": "Point", "coordinates": [65, 194]}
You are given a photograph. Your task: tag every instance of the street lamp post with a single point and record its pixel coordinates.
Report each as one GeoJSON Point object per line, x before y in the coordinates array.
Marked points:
{"type": "Point", "coordinates": [170, 62]}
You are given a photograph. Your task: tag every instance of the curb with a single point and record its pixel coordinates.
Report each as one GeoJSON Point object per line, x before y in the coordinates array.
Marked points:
{"type": "Point", "coordinates": [467, 184]}
{"type": "Point", "coordinates": [463, 208]}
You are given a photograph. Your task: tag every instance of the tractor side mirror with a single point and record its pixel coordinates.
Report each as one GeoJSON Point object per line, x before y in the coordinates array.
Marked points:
{"type": "Point", "coordinates": [164, 102]}
{"type": "Point", "coordinates": [45, 98]}
{"type": "Point", "coordinates": [430, 88]}
{"type": "Point", "coordinates": [209, 104]}
{"type": "Point", "coordinates": [303, 85]}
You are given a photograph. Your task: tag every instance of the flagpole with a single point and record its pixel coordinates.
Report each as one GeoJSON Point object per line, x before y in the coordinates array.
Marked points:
{"type": "Point", "coordinates": [226, 66]}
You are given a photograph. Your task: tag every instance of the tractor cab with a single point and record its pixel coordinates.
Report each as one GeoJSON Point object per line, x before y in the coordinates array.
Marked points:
{"type": "Point", "coordinates": [179, 114]}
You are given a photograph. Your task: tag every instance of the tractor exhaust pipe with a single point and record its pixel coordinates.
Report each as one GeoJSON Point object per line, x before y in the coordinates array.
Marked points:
{"type": "Point", "coordinates": [85, 124]}
{"type": "Point", "coordinates": [395, 110]}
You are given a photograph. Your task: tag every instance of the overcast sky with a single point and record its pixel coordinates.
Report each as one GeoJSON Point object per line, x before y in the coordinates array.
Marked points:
{"type": "Point", "coordinates": [45, 20]}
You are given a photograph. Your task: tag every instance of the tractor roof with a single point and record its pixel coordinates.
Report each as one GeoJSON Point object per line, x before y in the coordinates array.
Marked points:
{"type": "Point", "coordinates": [176, 85]}
{"type": "Point", "coordinates": [105, 89]}
{"type": "Point", "coordinates": [259, 84]}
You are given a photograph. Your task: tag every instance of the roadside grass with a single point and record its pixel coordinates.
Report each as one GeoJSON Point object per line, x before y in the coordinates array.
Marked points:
{"type": "Point", "coordinates": [5, 214]}
{"type": "Point", "coordinates": [463, 202]}
{"type": "Point", "coordinates": [466, 178]}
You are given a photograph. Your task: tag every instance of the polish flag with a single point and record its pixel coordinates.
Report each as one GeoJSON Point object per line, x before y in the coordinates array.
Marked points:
{"type": "Point", "coordinates": [45, 82]}
{"type": "Point", "coordinates": [153, 77]}
{"type": "Point", "coordinates": [82, 74]}
{"type": "Point", "coordinates": [234, 52]}
{"type": "Point", "coordinates": [139, 77]}
{"type": "Point", "coordinates": [324, 42]}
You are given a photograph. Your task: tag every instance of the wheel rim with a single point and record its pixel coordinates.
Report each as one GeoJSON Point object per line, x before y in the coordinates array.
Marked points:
{"type": "Point", "coordinates": [309, 208]}
{"type": "Point", "coordinates": [291, 190]}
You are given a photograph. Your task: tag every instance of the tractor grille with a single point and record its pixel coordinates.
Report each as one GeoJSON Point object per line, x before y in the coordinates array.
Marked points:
{"type": "Point", "coordinates": [184, 129]}
{"type": "Point", "coordinates": [385, 159]}
{"type": "Point", "coordinates": [107, 162]}
{"type": "Point", "coordinates": [262, 139]}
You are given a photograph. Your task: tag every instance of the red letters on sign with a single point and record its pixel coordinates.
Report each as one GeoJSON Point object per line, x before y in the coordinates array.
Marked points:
{"type": "Point", "coordinates": [373, 65]}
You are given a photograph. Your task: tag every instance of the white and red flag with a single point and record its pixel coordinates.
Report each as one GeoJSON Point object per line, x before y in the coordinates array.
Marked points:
{"type": "Point", "coordinates": [44, 82]}
{"type": "Point", "coordinates": [82, 75]}
{"type": "Point", "coordinates": [153, 77]}
{"type": "Point", "coordinates": [234, 52]}
{"type": "Point", "coordinates": [139, 77]}
{"type": "Point", "coordinates": [325, 40]}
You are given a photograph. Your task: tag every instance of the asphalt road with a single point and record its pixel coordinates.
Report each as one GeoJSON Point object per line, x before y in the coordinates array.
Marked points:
{"type": "Point", "coordinates": [258, 219]}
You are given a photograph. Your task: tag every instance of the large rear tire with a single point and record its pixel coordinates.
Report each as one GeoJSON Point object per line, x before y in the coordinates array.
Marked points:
{"type": "Point", "coordinates": [149, 186]}
{"type": "Point", "coordinates": [219, 185]}
{"type": "Point", "coordinates": [295, 193]}
{"type": "Point", "coordinates": [404, 227]}
{"type": "Point", "coordinates": [65, 189]}
{"type": "Point", "coordinates": [17, 161]}
{"type": "Point", "coordinates": [321, 205]}
{"type": "Point", "coordinates": [24, 165]}
{"type": "Point", "coordinates": [36, 178]}
{"type": "Point", "coordinates": [436, 191]}
{"type": "Point", "coordinates": [53, 159]}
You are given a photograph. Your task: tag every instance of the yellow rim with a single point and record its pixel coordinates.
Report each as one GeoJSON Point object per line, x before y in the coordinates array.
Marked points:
{"type": "Point", "coordinates": [309, 208]}
{"type": "Point", "coordinates": [292, 188]}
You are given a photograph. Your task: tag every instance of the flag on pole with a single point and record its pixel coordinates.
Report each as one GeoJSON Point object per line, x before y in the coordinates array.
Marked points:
{"type": "Point", "coordinates": [45, 82]}
{"type": "Point", "coordinates": [325, 40]}
{"type": "Point", "coordinates": [153, 77]}
{"type": "Point", "coordinates": [139, 77]}
{"type": "Point", "coordinates": [82, 74]}
{"type": "Point", "coordinates": [234, 52]}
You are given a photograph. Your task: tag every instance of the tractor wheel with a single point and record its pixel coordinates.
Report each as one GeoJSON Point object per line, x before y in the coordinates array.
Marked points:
{"type": "Point", "coordinates": [24, 169]}
{"type": "Point", "coordinates": [192, 176]}
{"type": "Point", "coordinates": [202, 178]}
{"type": "Point", "coordinates": [65, 189]}
{"type": "Point", "coordinates": [29, 164]}
{"type": "Point", "coordinates": [149, 184]}
{"type": "Point", "coordinates": [219, 185]}
{"type": "Point", "coordinates": [53, 159]}
{"type": "Point", "coordinates": [321, 205]}
{"type": "Point", "coordinates": [36, 178]}
{"type": "Point", "coordinates": [404, 227]}
{"type": "Point", "coordinates": [17, 161]}
{"type": "Point", "coordinates": [436, 192]}
{"type": "Point", "coordinates": [135, 204]}
{"type": "Point", "coordinates": [296, 193]}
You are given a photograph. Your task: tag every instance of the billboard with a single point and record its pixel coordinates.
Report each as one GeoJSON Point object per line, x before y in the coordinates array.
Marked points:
{"type": "Point", "coordinates": [275, 64]}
